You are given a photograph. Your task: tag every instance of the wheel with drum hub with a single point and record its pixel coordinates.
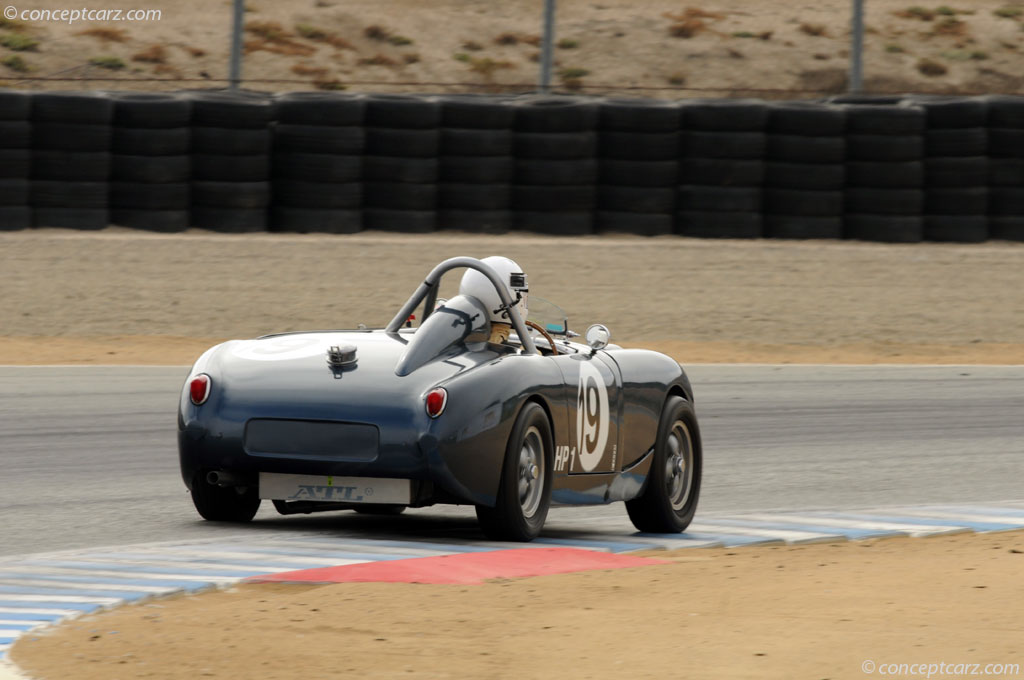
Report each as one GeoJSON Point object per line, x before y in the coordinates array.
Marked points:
{"type": "Point", "coordinates": [524, 492]}
{"type": "Point", "coordinates": [224, 503]}
{"type": "Point", "coordinates": [669, 500]}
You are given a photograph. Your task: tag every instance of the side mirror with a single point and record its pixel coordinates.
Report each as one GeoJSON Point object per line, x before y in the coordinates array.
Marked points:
{"type": "Point", "coordinates": [598, 336]}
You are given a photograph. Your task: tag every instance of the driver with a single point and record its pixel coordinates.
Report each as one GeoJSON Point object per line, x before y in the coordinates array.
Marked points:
{"type": "Point", "coordinates": [479, 286]}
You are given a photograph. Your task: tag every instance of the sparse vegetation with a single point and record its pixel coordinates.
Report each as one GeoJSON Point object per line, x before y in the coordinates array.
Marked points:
{"type": "Point", "coordinates": [951, 26]}
{"type": "Point", "coordinates": [462, 56]}
{"type": "Point", "coordinates": [507, 39]}
{"type": "Point", "coordinates": [931, 68]}
{"type": "Point", "coordinates": [1009, 12]}
{"type": "Point", "coordinates": [154, 54]}
{"type": "Point", "coordinates": [11, 24]}
{"type": "Point", "coordinates": [378, 60]}
{"type": "Point", "coordinates": [686, 28]}
{"type": "Point", "coordinates": [472, 46]}
{"type": "Point", "coordinates": [375, 32]}
{"type": "Point", "coordinates": [110, 63]}
{"type": "Point", "coordinates": [916, 13]}
{"type": "Point", "coordinates": [399, 40]}
{"type": "Point", "coordinates": [307, 70]}
{"type": "Point", "coordinates": [19, 43]}
{"type": "Point", "coordinates": [166, 70]}
{"type": "Point", "coordinates": [945, 11]}
{"type": "Point", "coordinates": [568, 44]}
{"type": "Point", "coordinates": [893, 48]}
{"type": "Point", "coordinates": [411, 58]}
{"type": "Point", "coordinates": [271, 36]}
{"type": "Point", "coordinates": [487, 66]}
{"type": "Point", "coordinates": [815, 30]}
{"type": "Point", "coordinates": [195, 52]}
{"type": "Point", "coordinates": [15, 63]}
{"type": "Point", "coordinates": [330, 85]}
{"type": "Point", "coordinates": [677, 79]}
{"type": "Point", "coordinates": [310, 32]}
{"type": "Point", "coordinates": [573, 73]}
{"type": "Point", "coordinates": [743, 34]}
{"type": "Point", "coordinates": [105, 34]}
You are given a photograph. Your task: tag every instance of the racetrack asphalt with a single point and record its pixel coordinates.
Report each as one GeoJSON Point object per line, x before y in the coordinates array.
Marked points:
{"type": "Point", "coordinates": [89, 456]}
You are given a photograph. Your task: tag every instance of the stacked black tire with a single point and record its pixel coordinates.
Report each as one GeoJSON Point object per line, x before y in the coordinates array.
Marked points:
{"type": "Point", "coordinates": [231, 139]}
{"type": "Point", "coordinates": [71, 135]}
{"type": "Point", "coordinates": [721, 169]}
{"type": "Point", "coordinates": [638, 150]}
{"type": "Point", "coordinates": [318, 163]}
{"type": "Point", "coordinates": [956, 169]}
{"type": "Point", "coordinates": [151, 164]}
{"type": "Point", "coordinates": [476, 164]}
{"type": "Point", "coordinates": [15, 160]}
{"type": "Point", "coordinates": [556, 168]}
{"type": "Point", "coordinates": [1006, 168]}
{"type": "Point", "coordinates": [884, 172]}
{"type": "Point", "coordinates": [805, 174]}
{"type": "Point", "coordinates": [400, 168]}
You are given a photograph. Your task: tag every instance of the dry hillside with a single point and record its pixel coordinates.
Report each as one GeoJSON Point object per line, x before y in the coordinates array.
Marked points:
{"type": "Point", "coordinates": [604, 45]}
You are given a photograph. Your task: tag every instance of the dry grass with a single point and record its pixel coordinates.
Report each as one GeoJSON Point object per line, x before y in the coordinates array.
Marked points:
{"type": "Point", "coordinates": [411, 58]}
{"type": "Point", "coordinates": [330, 85]}
{"type": "Point", "coordinates": [677, 79]}
{"type": "Point", "coordinates": [814, 30]}
{"type": "Point", "coordinates": [167, 70]}
{"type": "Point", "coordinates": [375, 32]}
{"type": "Point", "coordinates": [377, 60]}
{"type": "Point", "coordinates": [15, 63]}
{"type": "Point", "coordinates": [12, 24]}
{"type": "Point", "coordinates": [19, 43]}
{"type": "Point", "coordinates": [922, 13]}
{"type": "Point", "coordinates": [105, 34]}
{"type": "Point", "coordinates": [507, 39]}
{"type": "Point", "coordinates": [951, 27]}
{"type": "Point", "coordinates": [472, 46]}
{"type": "Point", "coordinates": [271, 36]}
{"type": "Point", "coordinates": [687, 28]}
{"type": "Point", "coordinates": [309, 70]}
{"type": "Point", "coordinates": [931, 68]}
{"type": "Point", "coordinates": [154, 54]}
{"type": "Point", "coordinates": [315, 34]}
{"type": "Point", "coordinates": [110, 63]}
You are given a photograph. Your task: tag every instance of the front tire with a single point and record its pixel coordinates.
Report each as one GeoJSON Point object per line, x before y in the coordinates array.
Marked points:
{"type": "Point", "coordinates": [224, 503]}
{"type": "Point", "coordinates": [669, 500]}
{"type": "Point", "coordinates": [524, 493]}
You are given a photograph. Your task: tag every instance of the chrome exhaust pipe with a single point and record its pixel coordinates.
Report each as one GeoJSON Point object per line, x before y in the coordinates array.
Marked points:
{"type": "Point", "coordinates": [222, 478]}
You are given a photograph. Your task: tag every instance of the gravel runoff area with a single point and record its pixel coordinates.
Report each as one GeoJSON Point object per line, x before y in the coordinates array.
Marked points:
{"type": "Point", "coordinates": [121, 296]}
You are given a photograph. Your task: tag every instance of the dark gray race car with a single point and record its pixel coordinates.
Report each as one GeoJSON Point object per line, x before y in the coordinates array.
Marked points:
{"type": "Point", "coordinates": [379, 420]}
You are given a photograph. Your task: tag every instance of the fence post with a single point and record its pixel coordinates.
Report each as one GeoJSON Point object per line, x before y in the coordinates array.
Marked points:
{"type": "Point", "coordinates": [236, 43]}
{"type": "Point", "coordinates": [857, 48]}
{"type": "Point", "coordinates": [548, 45]}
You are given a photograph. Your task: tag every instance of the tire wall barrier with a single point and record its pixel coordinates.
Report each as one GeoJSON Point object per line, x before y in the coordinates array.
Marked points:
{"type": "Point", "coordinates": [896, 169]}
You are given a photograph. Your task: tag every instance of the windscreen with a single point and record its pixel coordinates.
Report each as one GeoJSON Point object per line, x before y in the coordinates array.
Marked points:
{"type": "Point", "coordinates": [459, 321]}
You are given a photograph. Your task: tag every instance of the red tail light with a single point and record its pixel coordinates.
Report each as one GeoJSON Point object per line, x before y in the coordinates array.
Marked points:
{"type": "Point", "coordinates": [437, 399]}
{"type": "Point", "coordinates": [199, 389]}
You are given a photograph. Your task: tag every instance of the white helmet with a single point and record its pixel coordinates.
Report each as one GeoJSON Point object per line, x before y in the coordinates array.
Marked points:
{"type": "Point", "coordinates": [475, 284]}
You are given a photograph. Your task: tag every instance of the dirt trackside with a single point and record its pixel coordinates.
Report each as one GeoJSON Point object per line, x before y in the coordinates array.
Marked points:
{"type": "Point", "coordinates": [819, 611]}
{"type": "Point", "coordinates": [121, 296]}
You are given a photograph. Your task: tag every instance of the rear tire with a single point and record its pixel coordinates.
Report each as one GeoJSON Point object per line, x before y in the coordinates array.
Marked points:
{"type": "Point", "coordinates": [669, 501]}
{"type": "Point", "coordinates": [524, 493]}
{"type": "Point", "coordinates": [224, 504]}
